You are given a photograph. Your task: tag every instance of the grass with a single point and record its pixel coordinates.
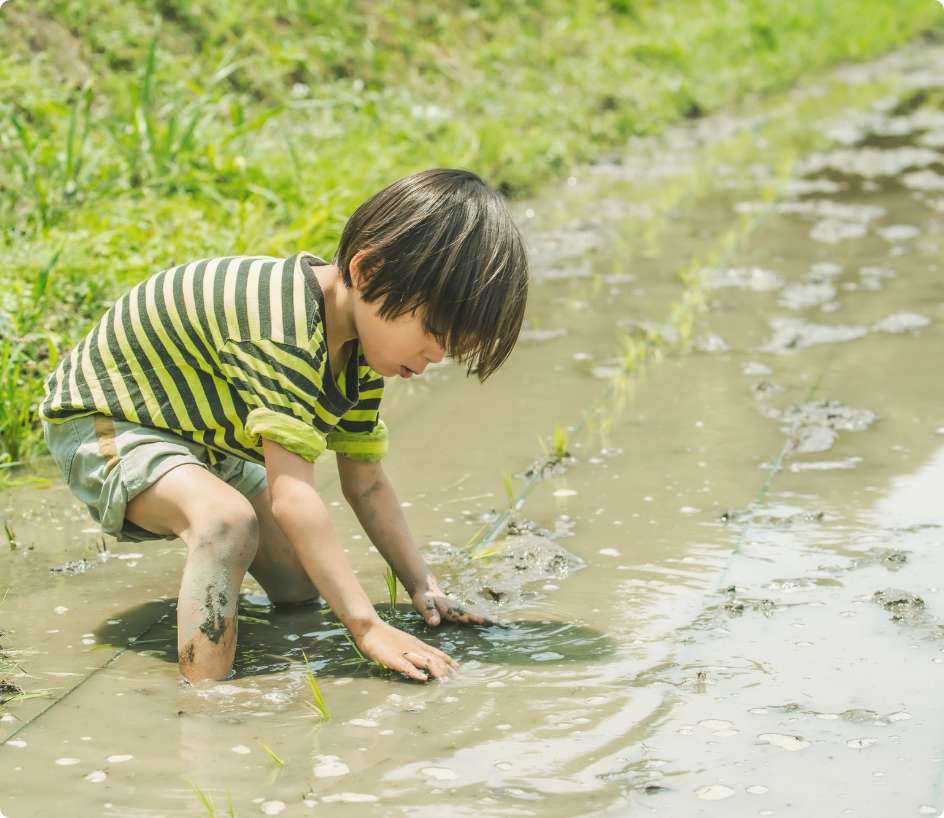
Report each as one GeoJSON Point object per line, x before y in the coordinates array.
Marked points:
{"type": "Point", "coordinates": [141, 135]}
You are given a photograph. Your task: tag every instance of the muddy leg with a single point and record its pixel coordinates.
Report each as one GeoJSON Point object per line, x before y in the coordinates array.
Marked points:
{"type": "Point", "coordinates": [218, 557]}
{"type": "Point", "coordinates": [221, 531]}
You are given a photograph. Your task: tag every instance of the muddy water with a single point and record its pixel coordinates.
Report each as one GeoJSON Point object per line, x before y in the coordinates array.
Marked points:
{"type": "Point", "coordinates": [725, 602]}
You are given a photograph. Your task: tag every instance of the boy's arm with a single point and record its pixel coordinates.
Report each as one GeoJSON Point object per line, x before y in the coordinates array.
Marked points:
{"type": "Point", "coordinates": [301, 514]}
{"type": "Point", "coordinates": [371, 495]}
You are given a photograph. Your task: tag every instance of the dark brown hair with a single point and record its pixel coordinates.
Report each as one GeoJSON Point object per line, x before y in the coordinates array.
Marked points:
{"type": "Point", "coordinates": [442, 240]}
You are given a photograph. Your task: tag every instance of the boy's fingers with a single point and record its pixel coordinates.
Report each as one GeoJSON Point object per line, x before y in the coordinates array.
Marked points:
{"type": "Point", "coordinates": [407, 668]}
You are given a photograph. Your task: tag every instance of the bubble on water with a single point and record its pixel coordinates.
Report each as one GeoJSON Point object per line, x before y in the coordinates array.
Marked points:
{"type": "Point", "coordinates": [66, 762]}
{"type": "Point", "coordinates": [291, 637]}
{"type": "Point", "coordinates": [439, 773]}
{"type": "Point", "coordinates": [329, 766]}
{"type": "Point", "coordinates": [758, 711]}
{"type": "Point", "coordinates": [16, 742]}
{"type": "Point", "coordinates": [609, 552]}
{"type": "Point", "coordinates": [96, 776]}
{"type": "Point", "coordinates": [755, 368]}
{"type": "Point", "coordinates": [345, 681]}
{"type": "Point", "coordinates": [899, 716]}
{"type": "Point", "coordinates": [714, 792]}
{"type": "Point", "coordinates": [898, 232]}
{"type": "Point", "coordinates": [715, 724]}
{"type": "Point", "coordinates": [550, 586]}
{"type": "Point", "coordinates": [803, 644]}
{"type": "Point", "coordinates": [272, 807]}
{"type": "Point", "coordinates": [546, 656]}
{"type": "Point", "coordinates": [902, 322]}
{"type": "Point", "coordinates": [495, 684]}
{"type": "Point", "coordinates": [784, 741]}
{"type": "Point", "coordinates": [503, 765]}
{"type": "Point", "coordinates": [827, 716]}
{"type": "Point", "coordinates": [363, 723]}
{"type": "Point", "coordinates": [60, 609]}
{"type": "Point", "coordinates": [88, 641]}
{"type": "Point", "coordinates": [6, 717]}
{"type": "Point", "coordinates": [756, 789]}
{"type": "Point", "coordinates": [119, 759]}
{"type": "Point", "coordinates": [349, 798]}
{"type": "Point", "coordinates": [565, 493]}
{"type": "Point", "coordinates": [861, 743]}
{"type": "Point", "coordinates": [502, 726]}
{"type": "Point", "coordinates": [241, 749]}
{"type": "Point", "coordinates": [928, 810]}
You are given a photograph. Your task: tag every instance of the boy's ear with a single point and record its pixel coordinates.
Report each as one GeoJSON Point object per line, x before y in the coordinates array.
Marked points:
{"type": "Point", "coordinates": [357, 269]}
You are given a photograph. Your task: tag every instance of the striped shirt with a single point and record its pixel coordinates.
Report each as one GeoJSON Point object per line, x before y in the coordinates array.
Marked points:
{"type": "Point", "coordinates": [225, 352]}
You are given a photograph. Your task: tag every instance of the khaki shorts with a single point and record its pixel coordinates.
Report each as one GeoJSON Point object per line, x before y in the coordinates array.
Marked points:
{"type": "Point", "coordinates": [107, 462]}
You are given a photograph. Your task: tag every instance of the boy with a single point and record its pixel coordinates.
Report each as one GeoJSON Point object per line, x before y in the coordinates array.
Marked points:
{"type": "Point", "coordinates": [197, 405]}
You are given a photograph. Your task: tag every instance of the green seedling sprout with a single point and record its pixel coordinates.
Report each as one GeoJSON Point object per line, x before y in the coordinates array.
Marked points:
{"type": "Point", "coordinates": [271, 753]}
{"type": "Point", "coordinates": [560, 441]}
{"type": "Point", "coordinates": [11, 537]}
{"type": "Point", "coordinates": [391, 579]}
{"type": "Point", "coordinates": [317, 703]}
{"type": "Point", "coordinates": [509, 489]}
{"type": "Point", "coordinates": [208, 804]}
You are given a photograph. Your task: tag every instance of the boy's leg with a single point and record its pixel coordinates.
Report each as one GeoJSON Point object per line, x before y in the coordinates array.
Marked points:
{"type": "Point", "coordinates": [220, 529]}
{"type": "Point", "coordinates": [276, 566]}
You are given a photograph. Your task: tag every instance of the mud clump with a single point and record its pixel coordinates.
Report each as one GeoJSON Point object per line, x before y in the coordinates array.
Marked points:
{"type": "Point", "coordinates": [73, 567]}
{"type": "Point", "coordinates": [735, 605]}
{"type": "Point", "coordinates": [519, 560]}
{"type": "Point", "coordinates": [793, 333]}
{"type": "Point", "coordinates": [814, 426]}
{"type": "Point", "coordinates": [902, 605]}
{"type": "Point", "coordinates": [891, 558]}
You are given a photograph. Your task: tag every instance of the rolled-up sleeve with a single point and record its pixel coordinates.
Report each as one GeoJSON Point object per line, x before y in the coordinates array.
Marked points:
{"type": "Point", "coordinates": [360, 434]}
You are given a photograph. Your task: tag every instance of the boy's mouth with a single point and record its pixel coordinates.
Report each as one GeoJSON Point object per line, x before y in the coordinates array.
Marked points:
{"type": "Point", "coordinates": [406, 372]}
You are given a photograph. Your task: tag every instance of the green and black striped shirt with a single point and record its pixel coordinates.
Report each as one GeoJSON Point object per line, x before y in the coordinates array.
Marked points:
{"type": "Point", "coordinates": [224, 352]}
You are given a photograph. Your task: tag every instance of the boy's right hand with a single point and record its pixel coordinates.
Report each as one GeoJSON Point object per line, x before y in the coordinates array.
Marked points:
{"type": "Point", "coordinates": [404, 653]}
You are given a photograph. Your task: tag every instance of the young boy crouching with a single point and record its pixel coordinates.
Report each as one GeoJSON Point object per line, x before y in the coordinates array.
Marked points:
{"type": "Point", "coordinates": [197, 405]}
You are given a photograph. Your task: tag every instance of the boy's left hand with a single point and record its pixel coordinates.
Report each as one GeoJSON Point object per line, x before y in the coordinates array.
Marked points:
{"type": "Point", "coordinates": [435, 606]}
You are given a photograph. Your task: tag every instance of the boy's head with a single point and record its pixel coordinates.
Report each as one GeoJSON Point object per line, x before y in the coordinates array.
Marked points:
{"type": "Point", "coordinates": [438, 253]}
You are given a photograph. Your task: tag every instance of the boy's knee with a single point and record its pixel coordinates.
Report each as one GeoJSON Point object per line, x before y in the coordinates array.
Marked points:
{"type": "Point", "coordinates": [230, 533]}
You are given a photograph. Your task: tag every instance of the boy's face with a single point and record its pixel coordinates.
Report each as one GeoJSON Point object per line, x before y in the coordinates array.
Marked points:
{"type": "Point", "coordinates": [398, 346]}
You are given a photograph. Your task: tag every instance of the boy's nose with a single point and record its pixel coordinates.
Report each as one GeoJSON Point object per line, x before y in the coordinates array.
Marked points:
{"type": "Point", "coordinates": [435, 355]}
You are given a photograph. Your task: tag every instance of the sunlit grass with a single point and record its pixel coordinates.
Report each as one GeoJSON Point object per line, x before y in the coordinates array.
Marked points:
{"type": "Point", "coordinates": [242, 148]}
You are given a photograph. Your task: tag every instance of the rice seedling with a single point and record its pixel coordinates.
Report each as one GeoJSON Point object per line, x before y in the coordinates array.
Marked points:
{"type": "Point", "coordinates": [208, 804]}
{"type": "Point", "coordinates": [509, 489]}
{"type": "Point", "coordinates": [317, 703]}
{"type": "Point", "coordinates": [11, 537]}
{"type": "Point", "coordinates": [560, 442]}
{"type": "Point", "coordinates": [272, 754]}
{"type": "Point", "coordinates": [391, 580]}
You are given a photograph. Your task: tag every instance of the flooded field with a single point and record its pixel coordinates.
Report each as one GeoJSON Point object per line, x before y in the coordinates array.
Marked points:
{"type": "Point", "coordinates": [722, 583]}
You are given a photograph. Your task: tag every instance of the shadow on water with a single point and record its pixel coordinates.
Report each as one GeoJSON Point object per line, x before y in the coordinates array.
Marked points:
{"type": "Point", "coordinates": [272, 639]}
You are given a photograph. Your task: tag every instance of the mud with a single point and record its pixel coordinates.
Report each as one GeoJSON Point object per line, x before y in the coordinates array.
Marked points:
{"type": "Point", "coordinates": [814, 426]}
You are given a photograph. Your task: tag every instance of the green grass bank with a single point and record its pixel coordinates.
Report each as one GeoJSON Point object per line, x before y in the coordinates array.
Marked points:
{"type": "Point", "coordinates": [134, 136]}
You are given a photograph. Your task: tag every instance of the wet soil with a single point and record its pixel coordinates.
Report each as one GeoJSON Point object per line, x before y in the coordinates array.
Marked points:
{"type": "Point", "coordinates": [725, 601]}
